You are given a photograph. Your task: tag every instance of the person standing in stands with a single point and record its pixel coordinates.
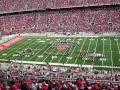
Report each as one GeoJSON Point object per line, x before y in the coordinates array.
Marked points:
{"type": "Point", "coordinates": [82, 84]}
{"type": "Point", "coordinates": [24, 86]}
{"type": "Point", "coordinates": [78, 83]}
{"type": "Point", "coordinates": [1, 86]}
{"type": "Point", "coordinates": [13, 85]}
{"type": "Point", "coordinates": [44, 86]}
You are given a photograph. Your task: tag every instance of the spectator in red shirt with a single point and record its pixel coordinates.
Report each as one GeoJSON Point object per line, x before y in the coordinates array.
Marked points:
{"type": "Point", "coordinates": [69, 87]}
{"type": "Point", "coordinates": [78, 83]}
{"type": "Point", "coordinates": [116, 88]}
{"type": "Point", "coordinates": [95, 87]}
{"type": "Point", "coordinates": [29, 82]}
{"type": "Point", "coordinates": [1, 86]}
{"type": "Point", "coordinates": [13, 86]}
{"type": "Point", "coordinates": [82, 84]}
{"type": "Point", "coordinates": [44, 86]}
{"type": "Point", "coordinates": [51, 83]}
{"type": "Point", "coordinates": [17, 84]}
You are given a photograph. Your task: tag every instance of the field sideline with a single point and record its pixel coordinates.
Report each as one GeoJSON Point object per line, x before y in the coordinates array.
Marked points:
{"type": "Point", "coordinates": [109, 47]}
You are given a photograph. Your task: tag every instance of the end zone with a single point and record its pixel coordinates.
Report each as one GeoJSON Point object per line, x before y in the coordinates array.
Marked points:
{"type": "Point", "coordinates": [10, 42]}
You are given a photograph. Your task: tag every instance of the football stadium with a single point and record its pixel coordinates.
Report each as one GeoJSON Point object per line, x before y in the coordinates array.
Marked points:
{"type": "Point", "coordinates": [60, 44]}
{"type": "Point", "coordinates": [97, 51]}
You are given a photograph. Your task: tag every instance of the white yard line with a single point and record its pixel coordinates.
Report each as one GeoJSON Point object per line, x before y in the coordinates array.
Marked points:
{"type": "Point", "coordinates": [118, 46]}
{"type": "Point", "coordinates": [9, 48]}
{"type": "Point", "coordinates": [56, 53]}
{"type": "Point", "coordinates": [25, 57]}
{"type": "Point", "coordinates": [87, 51]}
{"type": "Point", "coordinates": [26, 47]}
{"type": "Point", "coordinates": [47, 55]}
{"type": "Point", "coordinates": [43, 48]}
{"type": "Point", "coordinates": [111, 52]}
{"type": "Point", "coordinates": [103, 49]}
{"type": "Point", "coordinates": [17, 48]}
{"type": "Point", "coordinates": [46, 50]}
{"type": "Point", "coordinates": [80, 49]}
{"type": "Point", "coordinates": [62, 56]}
{"type": "Point", "coordinates": [38, 51]}
{"type": "Point", "coordinates": [71, 52]}
{"type": "Point", "coordinates": [50, 52]}
{"type": "Point", "coordinates": [96, 50]}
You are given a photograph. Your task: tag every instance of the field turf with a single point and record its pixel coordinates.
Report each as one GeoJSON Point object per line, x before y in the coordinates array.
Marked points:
{"type": "Point", "coordinates": [107, 46]}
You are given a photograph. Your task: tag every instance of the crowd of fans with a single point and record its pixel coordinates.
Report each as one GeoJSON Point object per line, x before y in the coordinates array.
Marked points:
{"type": "Point", "coordinates": [96, 20]}
{"type": "Point", "coordinates": [23, 5]}
{"type": "Point", "coordinates": [45, 77]}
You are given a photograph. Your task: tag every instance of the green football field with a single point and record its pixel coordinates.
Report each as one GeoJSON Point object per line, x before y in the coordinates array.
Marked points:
{"type": "Point", "coordinates": [98, 51]}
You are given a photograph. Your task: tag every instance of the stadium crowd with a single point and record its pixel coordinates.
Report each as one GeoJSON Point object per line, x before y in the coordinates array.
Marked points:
{"type": "Point", "coordinates": [86, 20]}
{"type": "Point", "coordinates": [24, 5]}
{"type": "Point", "coordinates": [46, 77]}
